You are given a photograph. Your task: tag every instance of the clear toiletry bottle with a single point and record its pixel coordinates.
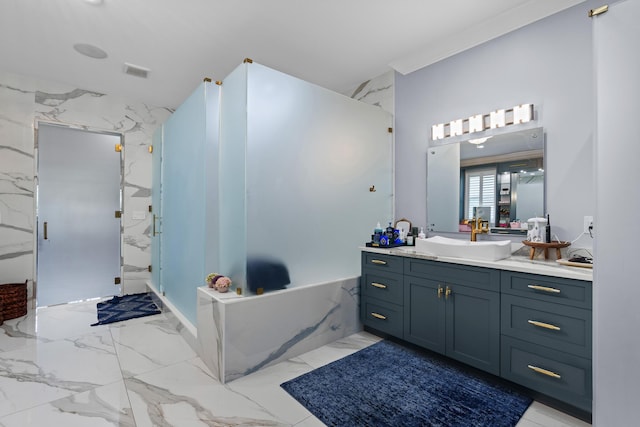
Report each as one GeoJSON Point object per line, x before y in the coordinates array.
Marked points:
{"type": "Point", "coordinates": [421, 235]}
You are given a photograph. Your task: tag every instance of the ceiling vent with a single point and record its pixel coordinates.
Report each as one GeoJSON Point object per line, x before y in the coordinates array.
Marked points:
{"type": "Point", "coordinates": [135, 70]}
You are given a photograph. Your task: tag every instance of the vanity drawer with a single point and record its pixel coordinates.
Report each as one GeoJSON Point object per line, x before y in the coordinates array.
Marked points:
{"type": "Point", "coordinates": [383, 316]}
{"type": "Point", "coordinates": [553, 325]}
{"type": "Point", "coordinates": [381, 262]}
{"type": "Point", "coordinates": [556, 374]}
{"type": "Point", "coordinates": [386, 287]}
{"type": "Point", "coordinates": [476, 277]}
{"type": "Point", "coordinates": [545, 288]}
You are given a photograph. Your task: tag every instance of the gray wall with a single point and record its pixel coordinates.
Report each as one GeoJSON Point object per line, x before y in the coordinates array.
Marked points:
{"type": "Point", "coordinates": [616, 292]}
{"type": "Point", "coordinates": [549, 64]}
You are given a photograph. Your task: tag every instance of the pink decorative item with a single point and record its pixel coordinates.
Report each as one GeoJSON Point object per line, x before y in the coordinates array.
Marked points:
{"type": "Point", "coordinates": [223, 283]}
{"type": "Point", "coordinates": [218, 282]}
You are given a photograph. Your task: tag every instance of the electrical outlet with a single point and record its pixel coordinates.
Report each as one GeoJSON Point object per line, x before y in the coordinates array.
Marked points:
{"type": "Point", "coordinates": [588, 223]}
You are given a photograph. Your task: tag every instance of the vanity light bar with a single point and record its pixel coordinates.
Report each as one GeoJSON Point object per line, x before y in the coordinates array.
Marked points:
{"type": "Point", "coordinates": [495, 119]}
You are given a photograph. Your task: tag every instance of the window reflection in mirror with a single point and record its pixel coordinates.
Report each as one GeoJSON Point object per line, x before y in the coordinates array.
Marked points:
{"type": "Point", "coordinates": [504, 172]}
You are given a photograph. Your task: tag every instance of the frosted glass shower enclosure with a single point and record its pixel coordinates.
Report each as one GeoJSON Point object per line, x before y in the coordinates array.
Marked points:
{"type": "Point", "coordinates": [184, 199]}
{"type": "Point", "coordinates": [305, 175]}
{"type": "Point", "coordinates": [266, 170]}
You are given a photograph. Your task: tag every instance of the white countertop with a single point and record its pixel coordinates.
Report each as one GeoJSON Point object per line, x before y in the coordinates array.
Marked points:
{"type": "Point", "coordinates": [520, 264]}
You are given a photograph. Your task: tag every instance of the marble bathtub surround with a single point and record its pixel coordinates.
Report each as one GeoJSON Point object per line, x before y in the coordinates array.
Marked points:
{"type": "Point", "coordinates": [241, 335]}
{"type": "Point", "coordinates": [23, 102]}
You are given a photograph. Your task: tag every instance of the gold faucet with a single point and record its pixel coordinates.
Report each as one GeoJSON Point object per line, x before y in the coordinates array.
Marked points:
{"type": "Point", "coordinates": [478, 226]}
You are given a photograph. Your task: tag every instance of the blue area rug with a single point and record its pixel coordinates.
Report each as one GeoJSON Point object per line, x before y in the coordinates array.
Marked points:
{"type": "Point", "coordinates": [126, 307]}
{"type": "Point", "coordinates": [387, 384]}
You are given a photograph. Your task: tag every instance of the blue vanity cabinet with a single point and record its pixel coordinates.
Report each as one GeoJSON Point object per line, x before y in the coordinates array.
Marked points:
{"type": "Point", "coordinates": [533, 330]}
{"type": "Point", "coordinates": [381, 293]}
{"type": "Point", "coordinates": [454, 310]}
{"type": "Point", "coordinates": [546, 325]}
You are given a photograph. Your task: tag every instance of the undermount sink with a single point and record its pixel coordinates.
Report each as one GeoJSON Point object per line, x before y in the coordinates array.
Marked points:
{"type": "Point", "coordinates": [446, 247]}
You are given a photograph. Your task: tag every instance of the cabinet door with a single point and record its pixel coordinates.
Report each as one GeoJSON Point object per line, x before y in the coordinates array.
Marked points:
{"type": "Point", "coordinates": [424, 313]}
{"type": "Point", "coordinates": [473, 327]}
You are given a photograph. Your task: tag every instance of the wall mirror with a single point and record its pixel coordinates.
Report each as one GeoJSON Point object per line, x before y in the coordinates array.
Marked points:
{"type": "Point", "coordinates": [504, 172]}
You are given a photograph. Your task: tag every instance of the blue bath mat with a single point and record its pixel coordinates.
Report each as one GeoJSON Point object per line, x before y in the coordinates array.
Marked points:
{"type": "Point", "coordinates": [387, 384]}
{"type": "Point", "coordinates": [126, 307]}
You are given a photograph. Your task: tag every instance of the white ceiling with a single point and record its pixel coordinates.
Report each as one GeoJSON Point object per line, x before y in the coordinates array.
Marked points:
{"type": "Point", "coordinates": [334, 43]}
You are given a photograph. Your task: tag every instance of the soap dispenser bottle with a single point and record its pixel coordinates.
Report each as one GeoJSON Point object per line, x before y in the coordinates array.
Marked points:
{"type": "Point", "coordinates": [421, 235]}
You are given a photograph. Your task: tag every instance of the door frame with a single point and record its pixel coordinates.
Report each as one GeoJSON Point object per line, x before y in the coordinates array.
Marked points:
{"type": "Point", "coordinates": [36, 165]}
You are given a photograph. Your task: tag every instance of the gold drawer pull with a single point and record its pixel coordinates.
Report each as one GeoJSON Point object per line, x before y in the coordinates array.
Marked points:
{"type": "Point", "coordinates": [379, 261]}
{"type": "Point", "coordinates": [379, 316]}
{"type": "Point", "coordinates": [544, 371]}
{"type": "Point", "coordinates": [440, 291]}
{"type": "Point", "coordinates": [544, 289]}
{"type": "Point", "coordinates": [378, 285]}
{"type": "Point", "coordinates": [447, 293]}
{"type": "Point", "coordinates": [544, 325]}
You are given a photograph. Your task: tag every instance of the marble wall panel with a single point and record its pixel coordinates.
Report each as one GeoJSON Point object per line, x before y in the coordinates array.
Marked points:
{"type": "Point", "coordinates": [16, 180]}
{"type": "Point", "coordinates": [23, 101]}
{"type": "Point", "coordinates": [378, 91]}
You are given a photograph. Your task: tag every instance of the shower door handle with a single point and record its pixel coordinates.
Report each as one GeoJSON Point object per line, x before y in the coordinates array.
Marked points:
{"type": "Point", "coordinates": [46, 236]}
{"type": "Point", "coordinates": [155, 217]}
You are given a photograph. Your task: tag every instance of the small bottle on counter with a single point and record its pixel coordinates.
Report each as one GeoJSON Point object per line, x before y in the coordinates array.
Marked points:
{"type": "Point", "coordinates": [421, 235]}
{"type": "Point", "coordinates": [377, 232]}
{"type": "Point", "coordinates": [410, 241]}
{"type": "Point", "coordinates": [547, 231]}
{"type": "Point", "coordinates": [390, 234]}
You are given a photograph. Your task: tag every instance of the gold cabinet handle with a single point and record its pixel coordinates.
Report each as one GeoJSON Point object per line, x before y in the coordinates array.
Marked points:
{"type": "Point", "coordinates": [46, 234]}
{"type": "Point", "coordinates": [447, 293]}
{"type": "Point", "coordinates": [378, 261]}
{"type": "Point", "coordinates": [544, 289]}
{"type": "Point", "coordinates": [544, 371]}
{"type": "Point", "coordinates": [378, 285]}
{"type": "Point", "coordinates": [440, 290]}
{"type": "Point", "coordinates": [544, 325]}
{"type": "Point", "coordinates": [379, 316]}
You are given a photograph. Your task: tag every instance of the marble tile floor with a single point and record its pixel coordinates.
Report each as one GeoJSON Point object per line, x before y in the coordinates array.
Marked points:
{"type": "Point", "coordinates": [56, 370]}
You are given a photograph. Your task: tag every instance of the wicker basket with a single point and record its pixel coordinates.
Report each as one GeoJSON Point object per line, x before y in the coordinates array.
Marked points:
{"type": "Point", "coordinates": [14, 300]}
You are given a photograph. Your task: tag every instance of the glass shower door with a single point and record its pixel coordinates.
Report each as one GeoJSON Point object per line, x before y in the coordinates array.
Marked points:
{"type": "Point", "coordinates": [79, 183]}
